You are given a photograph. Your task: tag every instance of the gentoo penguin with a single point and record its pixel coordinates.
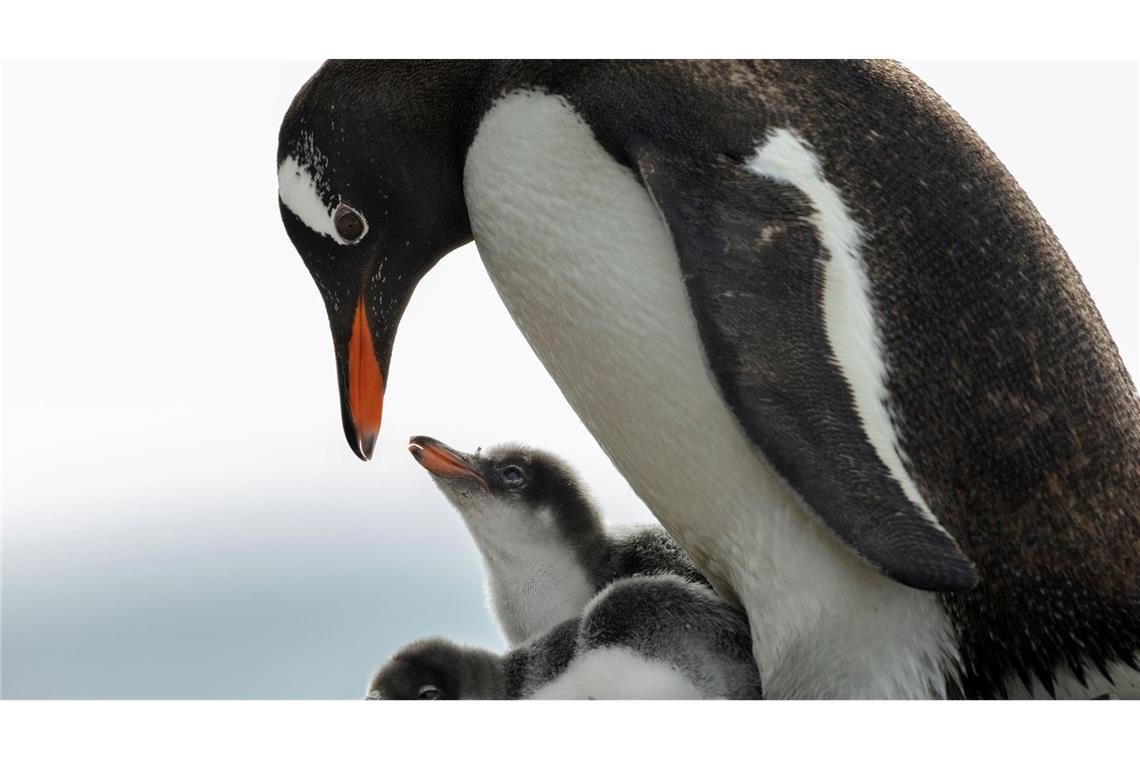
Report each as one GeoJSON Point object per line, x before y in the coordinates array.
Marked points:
{"type": "Point", "coordinates": [544, 546]}
{"type": "Point", "coordinates": [647, 637]}
{"type": "Point", "coordinates": [808, 315]}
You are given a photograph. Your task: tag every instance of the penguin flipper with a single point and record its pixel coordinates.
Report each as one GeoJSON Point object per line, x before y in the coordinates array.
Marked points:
{"type": "Point", "coordinates": [753, 253]}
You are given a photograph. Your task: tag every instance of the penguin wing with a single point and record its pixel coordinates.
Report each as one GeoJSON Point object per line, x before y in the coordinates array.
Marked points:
{"type": "Point", "coordinates": [754, 247]}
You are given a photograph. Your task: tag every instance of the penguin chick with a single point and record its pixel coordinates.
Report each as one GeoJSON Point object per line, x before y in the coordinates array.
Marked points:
{"type": "Point", "coordinates": [440, 669]}
{"type": "Point", "coordinates": [545, 548]}
{"type": "Point", "coordinates": [660, 637]}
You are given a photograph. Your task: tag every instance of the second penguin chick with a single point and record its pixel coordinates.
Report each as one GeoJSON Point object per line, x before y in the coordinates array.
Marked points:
{"type": "Point", "coordinates": [544, 545]}
{"type": "Point", "coordinates": [659, 638]}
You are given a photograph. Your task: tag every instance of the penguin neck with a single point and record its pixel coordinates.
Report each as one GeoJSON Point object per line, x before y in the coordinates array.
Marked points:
{"type": "Point", "coordinates": [484, 675]}
{"type": "Point", "coordinates": [540, 570]}
{"type": "Point", "coordinates": [441, 113]}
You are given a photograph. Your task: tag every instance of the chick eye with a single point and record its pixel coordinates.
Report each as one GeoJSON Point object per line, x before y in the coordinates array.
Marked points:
{"type": "Point", "coordinates": [513, 475]}
{"type": "Point", "coordinates": [349, 223]}
{"type": "Point", "coordinates": [428, 692]}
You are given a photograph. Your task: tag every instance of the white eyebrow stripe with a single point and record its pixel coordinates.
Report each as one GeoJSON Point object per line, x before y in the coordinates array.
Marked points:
{"type": "Point", "coordinates": [298, 191]}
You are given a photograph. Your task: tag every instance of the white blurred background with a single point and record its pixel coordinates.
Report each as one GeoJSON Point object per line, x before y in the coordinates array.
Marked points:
{"type": "Point", "coordinates": [181, 515]}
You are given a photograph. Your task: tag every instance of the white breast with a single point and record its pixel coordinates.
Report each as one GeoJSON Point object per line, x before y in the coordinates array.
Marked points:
{"type": "Point", "coordinates": [587, 269]}
{"type": "Point", "coordinates": [534, 580]}
{"type": "Point", "coordinates": [534, 589]}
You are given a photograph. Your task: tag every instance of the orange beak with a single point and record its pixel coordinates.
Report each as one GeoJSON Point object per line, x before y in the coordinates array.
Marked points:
{"type": "Point", "coordinates": [365, 384]}
{"type": "Point", "coordinates": [443, 461]}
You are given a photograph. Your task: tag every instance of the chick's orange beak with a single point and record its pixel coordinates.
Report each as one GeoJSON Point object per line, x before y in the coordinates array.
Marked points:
{"type": "Point", "coordinates": [441, 460]}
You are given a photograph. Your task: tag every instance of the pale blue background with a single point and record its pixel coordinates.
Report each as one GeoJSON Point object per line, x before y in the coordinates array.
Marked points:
{"type": "Point", "coordinates": [181, 515]}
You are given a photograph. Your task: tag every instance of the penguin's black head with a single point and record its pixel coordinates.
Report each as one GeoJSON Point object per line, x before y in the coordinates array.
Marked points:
{"type": "Point", "coordinates": [437, 669]}
{"type": "Point", "coordinates": [514, 492]}
{"type": "Point", "coordinates": [534, 477]}
{"type": "Point", "coordinates": [369, 169]}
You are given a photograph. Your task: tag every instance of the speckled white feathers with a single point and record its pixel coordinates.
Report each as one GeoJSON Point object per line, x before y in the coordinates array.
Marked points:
{"type": "Point", "coordinates": [297, 189]}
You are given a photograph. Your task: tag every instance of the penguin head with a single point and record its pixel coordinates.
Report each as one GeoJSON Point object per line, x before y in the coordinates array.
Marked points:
{"type": "Point", "coordinates": [510, 494]}
{"type": "Point", "coordinates": [437, 669]}
{"type": "Point", "coordinates": [369, 171]}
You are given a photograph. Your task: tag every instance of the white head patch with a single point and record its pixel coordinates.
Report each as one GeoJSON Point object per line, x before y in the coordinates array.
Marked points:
{"type": "Point", "coordinates": [297, 188]}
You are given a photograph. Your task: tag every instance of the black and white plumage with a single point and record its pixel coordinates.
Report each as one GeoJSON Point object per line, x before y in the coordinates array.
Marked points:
{"type": "Point", "coordinates": [808, 315]}
{"type": "Point", "coordinates": [545, 548]}
{"type": "Point", "coordinates": [647, 637]}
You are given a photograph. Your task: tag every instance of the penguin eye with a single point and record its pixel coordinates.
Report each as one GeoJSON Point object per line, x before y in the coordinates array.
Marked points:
{"type": "Point", "coordinates": [349, 223]}
{"type": "Point", "coordinates": [513, 475]}
{"type": "Point", "coordinates": [428, 692]}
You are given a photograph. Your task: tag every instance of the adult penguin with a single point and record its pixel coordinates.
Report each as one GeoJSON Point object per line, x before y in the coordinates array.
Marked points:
{"type": "Point", "coordinates": [806, 312]}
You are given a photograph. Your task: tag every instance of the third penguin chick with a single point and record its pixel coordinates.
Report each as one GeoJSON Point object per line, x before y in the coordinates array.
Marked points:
{"type": "Point", "coordinates": [441, 669]}
{"type": "Point", "coordinates": [544, 545]}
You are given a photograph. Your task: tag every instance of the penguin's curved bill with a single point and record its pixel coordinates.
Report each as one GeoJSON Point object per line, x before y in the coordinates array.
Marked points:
{"type": "Point", "coordinates": [442, 460]}
{"type": "Point", "coordinates": [365, 393]}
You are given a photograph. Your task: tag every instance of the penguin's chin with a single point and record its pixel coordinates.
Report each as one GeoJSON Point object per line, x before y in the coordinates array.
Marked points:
{"type": "Point", "coordinates": [464, 490]}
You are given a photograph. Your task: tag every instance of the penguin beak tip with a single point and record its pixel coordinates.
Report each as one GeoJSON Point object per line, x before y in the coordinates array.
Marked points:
{"type": "Point", "coordinates": [365, 446]}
